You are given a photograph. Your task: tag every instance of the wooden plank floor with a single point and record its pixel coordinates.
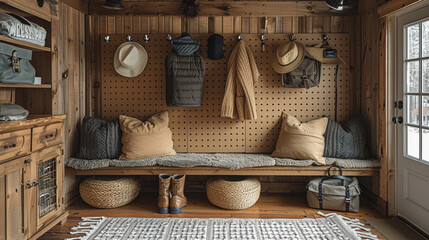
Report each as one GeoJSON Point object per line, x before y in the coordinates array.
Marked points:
{"type": "Point", "coordinates": [268, 206]}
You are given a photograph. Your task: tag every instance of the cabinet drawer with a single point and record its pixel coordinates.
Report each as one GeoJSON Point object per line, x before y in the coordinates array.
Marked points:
{"type": "Point", "coordinates": [15, 144]}
{"type": "Point", "coordinates": [47, 136]}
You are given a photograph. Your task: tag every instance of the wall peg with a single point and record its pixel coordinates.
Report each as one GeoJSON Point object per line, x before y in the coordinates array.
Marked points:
{"type": "Point", "coordinates": [169, 38]}
{"type": "Point", "coordinates": [107, 39]}
{"type": "Point", "coordinates": [129, 38]}
{"type": "Point", "coordinates": [292, 37]}
{"type": "Point", "coordinates": [240, 37]}
{"type": "Point", "coordinates": [146, 38]}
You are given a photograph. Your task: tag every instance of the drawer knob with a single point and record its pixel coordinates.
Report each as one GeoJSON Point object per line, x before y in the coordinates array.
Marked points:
{"type": "Point", "coordinates": [49, 136]}
{"type": "Point", "coordinates": [35, 182]}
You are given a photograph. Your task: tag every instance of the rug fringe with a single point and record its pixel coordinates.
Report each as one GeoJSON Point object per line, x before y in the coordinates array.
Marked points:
{"type": "Point", "coordinates": [354, 224]}
{"type": "Point", "coordinates": [87, 227]}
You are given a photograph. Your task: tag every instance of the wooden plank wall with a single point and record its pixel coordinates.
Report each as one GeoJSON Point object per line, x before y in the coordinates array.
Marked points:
{"type": "Point", "coordinates": [71, 86]}
{"type": "Point", "coordinates": [373, 95]}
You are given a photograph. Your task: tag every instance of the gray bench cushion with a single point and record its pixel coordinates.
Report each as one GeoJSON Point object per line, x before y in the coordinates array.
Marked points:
{"type": "Point", "coordinates": [231, 161]}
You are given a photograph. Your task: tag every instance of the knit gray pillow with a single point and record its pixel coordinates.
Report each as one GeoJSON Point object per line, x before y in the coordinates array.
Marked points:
{"type": "Point", "coordinates": [99, 139]}
{"type": "Point", "coordinates": [348, 141]}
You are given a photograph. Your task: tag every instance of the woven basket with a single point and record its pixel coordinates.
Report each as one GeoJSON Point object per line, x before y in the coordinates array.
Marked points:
{"type": "Point", "coordinates": [233, 193]}
{"type": "Point", "coordinates": [109, 192]}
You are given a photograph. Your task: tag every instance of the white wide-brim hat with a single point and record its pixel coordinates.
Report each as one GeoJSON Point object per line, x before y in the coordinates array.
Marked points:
{"type": "Point", "coordinates": [130, 59]}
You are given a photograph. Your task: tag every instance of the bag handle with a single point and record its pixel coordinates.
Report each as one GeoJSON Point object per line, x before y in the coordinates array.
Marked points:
{"type": "Point", "coordinates": [334, 165]}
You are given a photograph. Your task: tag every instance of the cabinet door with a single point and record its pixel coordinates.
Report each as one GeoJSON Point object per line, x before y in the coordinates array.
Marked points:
{"type": "Point", "coordinates": [49, 175]}
{"type": "Point", "coordinates": [14, 199]}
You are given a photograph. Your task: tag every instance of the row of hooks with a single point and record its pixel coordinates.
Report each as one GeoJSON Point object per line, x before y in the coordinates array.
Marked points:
{"type": "Point", "coordinates": [292, 38]}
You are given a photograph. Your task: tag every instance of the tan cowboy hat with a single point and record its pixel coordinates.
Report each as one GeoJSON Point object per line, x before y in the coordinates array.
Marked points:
{"type": "Point", "coordinates": [316, 52]}
{"type": "Point", "coordinates": [130, 59]}
{"type": "Point", "coordinates": [288, 57]}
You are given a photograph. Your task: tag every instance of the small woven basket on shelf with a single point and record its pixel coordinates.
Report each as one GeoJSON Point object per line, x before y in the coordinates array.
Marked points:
{"type": "Point", "coordinates": [109, 192]}
{"type": "Point", "coordinates": [232, 192]}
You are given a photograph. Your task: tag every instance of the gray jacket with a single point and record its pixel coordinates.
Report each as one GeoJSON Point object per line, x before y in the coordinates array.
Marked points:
{"type": "Point", "coordinates": [184, 74]}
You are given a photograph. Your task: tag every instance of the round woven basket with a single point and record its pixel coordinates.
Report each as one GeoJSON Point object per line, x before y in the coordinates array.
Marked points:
{"type": "Point", "coordinates": [109, 192]}
{"type": "Point", "coordinates": [233, 192]}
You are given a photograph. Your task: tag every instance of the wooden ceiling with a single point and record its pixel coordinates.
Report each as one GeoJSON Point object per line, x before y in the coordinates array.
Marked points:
{"type": "Point", "coordinates": [220, 8]}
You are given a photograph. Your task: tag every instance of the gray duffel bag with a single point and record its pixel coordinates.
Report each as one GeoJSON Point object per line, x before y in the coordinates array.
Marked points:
{"type": "Point", "coordinates": [15, 66]}
{"type": "Point", "coordinates": [334, 192]}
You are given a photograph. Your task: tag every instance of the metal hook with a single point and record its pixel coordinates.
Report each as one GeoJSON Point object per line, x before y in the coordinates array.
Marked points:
{"type": "Point", "coordinates": [325, 37]}
{"type": "Point", "coordinates": [263, 42]}
{"type": "Point", "coordinates": [240, 37]}
{"type": "Point", "coordinates": [107, 39]}
{"type": "Point", "coordinates": [325, 41]}
{"type": "Point", "coordinates": [169, 38]}
{"type": "Point", "coordinates": [292, 37]}
{"type": "Point", "coordinates": [129, 38]}
{"type": "Point", "coordinates": [146, 38]}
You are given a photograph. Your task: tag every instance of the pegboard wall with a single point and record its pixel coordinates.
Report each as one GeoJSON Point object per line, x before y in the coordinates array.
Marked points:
{"type": "Point", "coordinates": [201, 129]}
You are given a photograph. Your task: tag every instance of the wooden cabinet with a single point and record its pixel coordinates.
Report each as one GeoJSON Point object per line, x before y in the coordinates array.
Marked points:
{"type": "Point", "coordinates": [31, 177]}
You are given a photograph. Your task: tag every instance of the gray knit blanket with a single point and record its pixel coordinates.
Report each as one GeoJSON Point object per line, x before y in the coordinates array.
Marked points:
{"type": "Point", "coordinates": [231, 161]}
{"type": "Point", "coordinates": [99, 139]}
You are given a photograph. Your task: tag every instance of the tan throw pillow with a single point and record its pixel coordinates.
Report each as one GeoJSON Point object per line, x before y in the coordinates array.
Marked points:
{"type": "Point", "coordinates": [301, 140]}
{"type": "Point", "coordinates": [151, 138]}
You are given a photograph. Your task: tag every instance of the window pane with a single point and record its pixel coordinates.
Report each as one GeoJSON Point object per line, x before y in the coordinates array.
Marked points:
{"type": "Point", "coordinates": [413, 109]}
{"type": "Point", "coordinates": [425, 42]}
{"type": "Point", "coordinates": [425, 75]}
{"type": "Point", "coordinates": [413, 142]}
{"type": "Point", "coordinates": [413, 74]}
{"type": "Point", "coordinates": [425, 111]}
{"type": "Point", "coordinates": [425, 142]}
{"type": "Point", "coordinates": [413, 37]}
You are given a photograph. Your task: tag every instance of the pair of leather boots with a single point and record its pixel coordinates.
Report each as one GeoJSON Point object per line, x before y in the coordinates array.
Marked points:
{"type": "Point", "coordinates": [171, 198]}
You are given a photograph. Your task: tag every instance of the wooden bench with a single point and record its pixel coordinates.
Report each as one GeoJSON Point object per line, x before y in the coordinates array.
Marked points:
{"type": "Point", "coordinates": [256, 171]}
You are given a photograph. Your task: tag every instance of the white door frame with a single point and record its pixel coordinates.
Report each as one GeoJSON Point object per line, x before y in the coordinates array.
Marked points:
{"type": "Point", "coordinates": [391, 92]}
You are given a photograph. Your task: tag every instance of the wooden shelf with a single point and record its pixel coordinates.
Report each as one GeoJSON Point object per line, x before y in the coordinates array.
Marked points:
{"type": "Point", "coordinates": [23, 85]}
{"type": "Point", "coordinates": [25, 45]}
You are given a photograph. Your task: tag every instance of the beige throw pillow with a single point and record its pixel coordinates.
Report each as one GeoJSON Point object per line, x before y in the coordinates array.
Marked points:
{"type": "Point", "coordinates": [301, 140]}
{"type": "Point", "coordinates": [151, 138]}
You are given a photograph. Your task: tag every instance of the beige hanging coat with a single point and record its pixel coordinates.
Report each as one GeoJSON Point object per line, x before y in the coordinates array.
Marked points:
{"type": "Point", "coordinates": [243, 75]}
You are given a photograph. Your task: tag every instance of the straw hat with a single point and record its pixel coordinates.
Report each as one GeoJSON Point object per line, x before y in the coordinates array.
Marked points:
{"type": "Point", "coordinates": [288, 57]}
{"type": "Point", "coordinates": [130, 59]}
{"type": "Point", "coordinates": [316, 52]}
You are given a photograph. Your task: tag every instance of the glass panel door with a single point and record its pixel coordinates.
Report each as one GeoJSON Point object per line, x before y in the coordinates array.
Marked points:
{"type": "Point", "coordinates": [412, 133]}
{"type": "Point", "coordinates": [416, 90]}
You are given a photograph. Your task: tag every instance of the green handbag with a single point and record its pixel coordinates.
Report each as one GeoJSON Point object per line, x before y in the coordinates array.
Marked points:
{"type": "Point", "coordinates": [15, 66]}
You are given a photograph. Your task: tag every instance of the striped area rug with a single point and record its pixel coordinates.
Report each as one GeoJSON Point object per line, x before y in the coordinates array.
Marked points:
{"type": "Point", "coordinates": [332, 226]}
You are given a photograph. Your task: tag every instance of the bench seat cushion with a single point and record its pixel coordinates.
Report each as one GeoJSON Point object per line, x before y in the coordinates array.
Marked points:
{"type": "Point", "coordinates": [221, 160]}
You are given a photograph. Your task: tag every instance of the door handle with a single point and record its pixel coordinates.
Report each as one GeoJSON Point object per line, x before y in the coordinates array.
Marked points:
{"type": "Point", "coordinates": [396, 120]}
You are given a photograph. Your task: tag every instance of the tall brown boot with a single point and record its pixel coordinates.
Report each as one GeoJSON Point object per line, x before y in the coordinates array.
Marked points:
{"type": "Point", "coordinates": [178, 201]}
{"type": "Point", "coordinates": [164, 193]}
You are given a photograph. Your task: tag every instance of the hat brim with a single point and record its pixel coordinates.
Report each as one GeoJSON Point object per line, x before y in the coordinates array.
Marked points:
{"type": "Point", "coordinates": [293, 65]}
{"type": "Point", "coordinates": [134, 70]}
{"type": "Point", "coordinates": [317, 54]}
